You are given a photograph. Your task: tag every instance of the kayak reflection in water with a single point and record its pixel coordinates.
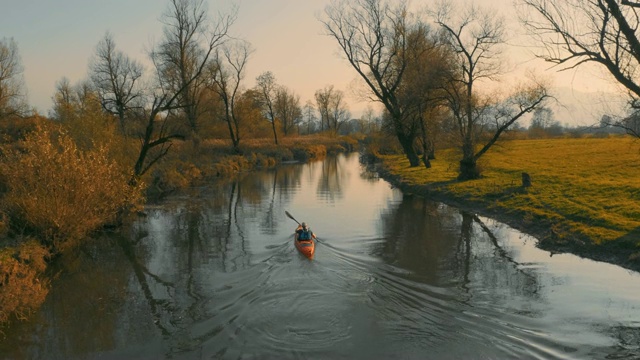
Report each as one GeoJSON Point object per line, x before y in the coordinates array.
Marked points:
{"type": "Point", "coordinates": [304, 232]}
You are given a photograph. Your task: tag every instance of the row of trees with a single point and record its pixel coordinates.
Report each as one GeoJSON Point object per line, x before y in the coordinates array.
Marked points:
{"type": "Point", "coordinates": [194, 89]}
{"type": "Point", "coordinates": [426, 73]}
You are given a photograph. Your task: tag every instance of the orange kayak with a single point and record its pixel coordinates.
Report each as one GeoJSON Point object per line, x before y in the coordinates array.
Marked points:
{"type": "Point", "coordinates": [306, 247]}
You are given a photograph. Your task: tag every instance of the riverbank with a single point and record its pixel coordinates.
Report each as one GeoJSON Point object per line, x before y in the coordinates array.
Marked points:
{"type": "Point", "coordinates": [584, 198]}
{"type": "Point", "coordinates": [55, 195]}
{"type": "Point", "coordinates": [194, 162]}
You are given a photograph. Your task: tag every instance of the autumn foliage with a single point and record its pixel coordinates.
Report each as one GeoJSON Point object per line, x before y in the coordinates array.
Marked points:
{"type": "Point", "coordinates": [22, 288]}
{"type": "Point", "coordinates": [59, 193]}
{"type": "Point", "coordinates": [54, 195]}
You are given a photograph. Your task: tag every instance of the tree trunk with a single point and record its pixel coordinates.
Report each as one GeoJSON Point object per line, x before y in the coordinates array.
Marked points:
{"type": "Point", "coordinates": [232, 135]}
{"type": "Point", "coordinates": [426, 160]}
{"type": "Point", "coordinates": [407, 145]}
{"type": "Point", "coordinates": [275, 133]}
{"type": "Point", "coordinates": [432, 152]}
{"type": "Point", "coordinates": [468, 169]}
{"type": "Point", "coordinates": [427, 148]}
{"type": "Point", "coordinates": [468, 165]}
{"type": "Point", "coordinates": [428, 153]}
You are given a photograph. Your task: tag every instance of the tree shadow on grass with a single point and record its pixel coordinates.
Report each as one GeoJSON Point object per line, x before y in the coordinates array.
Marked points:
{"type": "Point", "coordinates": [631, 240]}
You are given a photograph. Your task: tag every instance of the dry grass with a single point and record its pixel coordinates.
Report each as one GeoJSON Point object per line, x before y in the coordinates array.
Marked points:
{"type": "Point", "coordinates": [587, 187]}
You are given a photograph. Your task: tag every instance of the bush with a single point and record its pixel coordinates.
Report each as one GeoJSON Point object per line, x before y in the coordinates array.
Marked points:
{"type": "Point", "coordinates": [306, 152]}
{"type": "Point", "coordinates": [227, 166]}
{"type": "Point", "coordinates": [22, 288]}
{"type": "Point", "coordinates": [59, 193]}
{"type": "Point", "coordinates": [175, 175]}
{"type": "Point", "coordinates": [277, 152]}
{"type": "Point", "coordinates": [261, 161]}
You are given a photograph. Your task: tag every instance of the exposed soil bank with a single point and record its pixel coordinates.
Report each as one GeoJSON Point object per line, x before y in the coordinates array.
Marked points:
{"type": "Point", "coordinates": [549, 237]}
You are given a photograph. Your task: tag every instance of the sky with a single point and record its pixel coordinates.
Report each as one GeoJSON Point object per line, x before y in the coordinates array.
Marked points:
{"type": "Point", "coordinates": [57, 38]}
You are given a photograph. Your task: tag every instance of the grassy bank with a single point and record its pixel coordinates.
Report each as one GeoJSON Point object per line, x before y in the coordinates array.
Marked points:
{"type": "Point", "coordinates": [584, 198]}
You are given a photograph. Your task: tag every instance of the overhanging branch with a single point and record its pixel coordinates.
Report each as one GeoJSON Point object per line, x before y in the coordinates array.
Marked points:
{"type": "Point", "coordinates": [629, 3]}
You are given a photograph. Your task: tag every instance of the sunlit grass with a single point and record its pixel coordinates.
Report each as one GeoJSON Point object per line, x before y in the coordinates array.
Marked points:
{"type": "Point", "coordinates": [588, 187]}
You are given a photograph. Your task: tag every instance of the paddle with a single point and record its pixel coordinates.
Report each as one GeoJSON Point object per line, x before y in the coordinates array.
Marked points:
{"type": "Point", "coordinates": [291, 217]}
{"type": "Point", "coordinates": [294, 219]}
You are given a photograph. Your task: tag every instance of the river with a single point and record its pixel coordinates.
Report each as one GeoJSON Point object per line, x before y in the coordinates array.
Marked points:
{"type": "Point", "coordinates": [212, 273]}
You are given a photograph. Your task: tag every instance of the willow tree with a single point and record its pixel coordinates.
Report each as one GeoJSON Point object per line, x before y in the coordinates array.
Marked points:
{"type": "Point", "coordinates": [430, 63]}
{"type": "Point", "coordinates": [571, 33]}
{"type": "Point", "coordinates": [372, 35]}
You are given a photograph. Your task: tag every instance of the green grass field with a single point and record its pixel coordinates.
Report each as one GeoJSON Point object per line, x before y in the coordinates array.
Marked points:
{"type": "Point", "coordinates": [587, 188]}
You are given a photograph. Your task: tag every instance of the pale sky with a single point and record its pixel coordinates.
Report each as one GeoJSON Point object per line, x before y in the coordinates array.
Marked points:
{"type": "Point", "coordinates": [56, 38]}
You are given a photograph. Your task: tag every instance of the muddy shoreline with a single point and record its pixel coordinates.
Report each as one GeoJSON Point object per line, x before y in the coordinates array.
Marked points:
{"type": "Point", "coordinates": [548, 239]}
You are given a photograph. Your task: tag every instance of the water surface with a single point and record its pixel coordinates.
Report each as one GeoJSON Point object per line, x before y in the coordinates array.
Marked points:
{"type": "Point", "coordinates": [213, 273]}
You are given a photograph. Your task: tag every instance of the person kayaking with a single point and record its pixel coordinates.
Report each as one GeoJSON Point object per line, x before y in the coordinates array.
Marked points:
{"type": "Point", "coordinates": [304, 232]}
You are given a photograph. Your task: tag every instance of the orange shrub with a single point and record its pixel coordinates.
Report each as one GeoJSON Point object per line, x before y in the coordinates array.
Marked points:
{"type": "Point", "coordinates": [60, 193]}
{"type": "Point", "coordinates": [22, 288]}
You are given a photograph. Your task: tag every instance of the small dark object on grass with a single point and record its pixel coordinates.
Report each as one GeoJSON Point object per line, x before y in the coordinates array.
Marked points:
{"type": "Point", "coordinates": [526, 180]}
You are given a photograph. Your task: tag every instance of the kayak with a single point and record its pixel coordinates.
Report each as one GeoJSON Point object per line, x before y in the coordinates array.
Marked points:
{"type": "Point", "coordinates": [306, 247]}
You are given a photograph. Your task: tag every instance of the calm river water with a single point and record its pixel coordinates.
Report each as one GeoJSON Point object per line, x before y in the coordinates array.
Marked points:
{"type": "Point", "coordinates": [213, 273]}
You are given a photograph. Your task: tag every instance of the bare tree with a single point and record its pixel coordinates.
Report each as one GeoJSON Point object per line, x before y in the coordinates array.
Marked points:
{"type": "Point", "coordinates": [63, 100]}
{"type": "Point", "coordinates": [332, 108]}
{"type": "Point", "coordinates": [338, 111]}
{"type": "Point", "coordinates": [287, 107]}
{"type": "Point", "coordinates": [13, 97]}
{"type": "Point", "coordinates": [368, 120]}
{"type": "Point", "coordinates": [79, 109]}
{"type": "Point", "coordinates": [159, 132]}
{"type": "Point", "coordinates": [73, 101]}
{"type": "Point", "coordinates": [175, 86]}
{"type": "Point", "coordinates": [575, 32]}
{"type": "Point", "coordinates": [373, 37]}
{"type": "Point", "coordinates": [267, 87]}
{"type": "Point", "coordinates": [226, 73]}
{"type": "Point", "coordinates": [189, 38]}
{"type": "Point", "coordinates": [309, 114]}
{"type": "Point", "coordinates": [323, 102]}
{"type": "Point", "coordinates": [475, 37]}
{"type": "Point", "coordinates": [542, 118]}
{"type": "Point", "coordinates": [116, 78]}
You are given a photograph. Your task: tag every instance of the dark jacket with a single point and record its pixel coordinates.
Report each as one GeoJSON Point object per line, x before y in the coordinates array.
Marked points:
{"type": "Point", "coordinates": [304, 235]}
